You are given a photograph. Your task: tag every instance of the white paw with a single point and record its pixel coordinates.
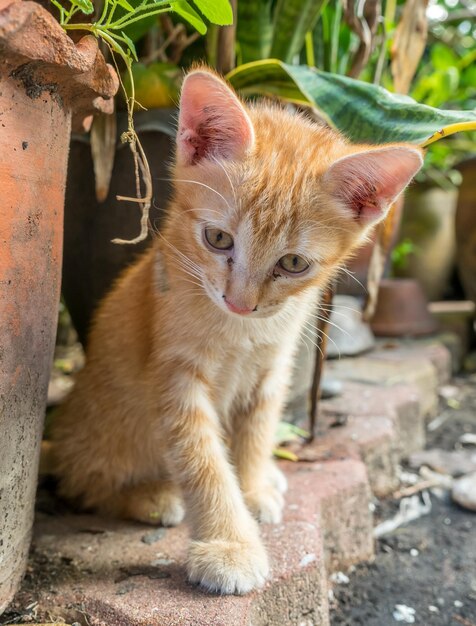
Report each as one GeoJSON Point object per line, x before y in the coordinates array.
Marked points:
{"type": "Point", "coordinates": [173, 513]}
{"type": "Point", "coordinates": [277, 478]}
{"type": "Point", "coordinates": [228, 567]}
{"type": "Point", "coordinates": [266, 505]}
{"type": "Point", "coordinates": [159, 506]}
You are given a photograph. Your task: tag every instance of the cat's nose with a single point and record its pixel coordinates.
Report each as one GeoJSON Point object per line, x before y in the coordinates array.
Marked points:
{"type": "Point", "coordinates": [237, 309]}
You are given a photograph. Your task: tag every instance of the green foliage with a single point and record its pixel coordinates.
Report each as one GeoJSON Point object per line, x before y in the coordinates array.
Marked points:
{"type": "Point", "coordinates": [118, 15]}
{"type": "Point", "coordinates": [292, 20]}
{"type": "Point", "coordinates": [189, 14]}
{"type": "Point", "coordinates": [446, 77]}
{"type": "Point", "coordinates": [254, 30]}
{"type": "Point", "coordinates": [363, 112]}
{"type": "Point", "coordinates": [401, 254]}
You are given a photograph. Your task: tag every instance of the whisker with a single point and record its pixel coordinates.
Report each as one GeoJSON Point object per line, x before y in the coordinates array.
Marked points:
{"type": "Point", "coordinates": [329, 338]}
{"type": "Point", "coordinates": [218, 162]}
{"type": "Point", "coordinates": [191, 264]}
{"type": "Point", "coordinates": [197, 182]}
{"type": "Point", "coordinates": [340, 306]}
{"type": "Point", "coordinates": [328, 321]}
{"type": "Point", "coordinates": [313, 343]}
{"type": "Point", "coordinates": [350, 274]}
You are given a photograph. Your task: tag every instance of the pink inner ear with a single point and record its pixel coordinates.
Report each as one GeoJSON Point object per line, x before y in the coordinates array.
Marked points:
{"type": "Point", "coordinates": [369, 182]}
{"type": "Point", "coordinates": [212, 121]}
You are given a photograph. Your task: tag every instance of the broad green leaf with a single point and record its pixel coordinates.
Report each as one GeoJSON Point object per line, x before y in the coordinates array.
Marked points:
{"type": "Point", "coordinates": [254, 29]}
{"type": "Point", "coordinates": [125, 5]}
{"type": "Point", "coordinates": [185, 10]}
{"type": "Point", "coordinates": [292, 20]}
{"type": "Point", "coordinates": [217, 11]}
{"type": "Point", "coordinates": [85, 6]}
{"type": "Point", "coordinates": [363, 112]}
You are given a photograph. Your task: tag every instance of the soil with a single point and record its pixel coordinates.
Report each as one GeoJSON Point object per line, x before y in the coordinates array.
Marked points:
{"type": "Point", "coordinates": [429, 564]}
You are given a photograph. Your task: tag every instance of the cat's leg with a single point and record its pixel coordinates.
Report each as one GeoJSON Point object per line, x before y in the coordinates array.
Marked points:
{"type": "Point", "coordinates": [158, 502]}
{"type": "Point", "coordinates": [254, 430]}
{"type": "Point", "coordinates": [226, 554]}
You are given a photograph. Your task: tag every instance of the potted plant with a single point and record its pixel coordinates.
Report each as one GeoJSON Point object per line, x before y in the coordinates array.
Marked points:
{"type": "Point", "coordinates": [446, 78]}
{"type": "Point", "coordinates": [273, 64]}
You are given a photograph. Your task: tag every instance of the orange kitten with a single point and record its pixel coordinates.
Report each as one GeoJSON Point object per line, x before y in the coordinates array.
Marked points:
{"type": "Point", "coordinates": [190, 354]}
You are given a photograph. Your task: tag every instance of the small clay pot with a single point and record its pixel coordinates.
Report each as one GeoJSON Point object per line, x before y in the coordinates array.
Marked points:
{"type": "Point", "coordinates": [402, 310]}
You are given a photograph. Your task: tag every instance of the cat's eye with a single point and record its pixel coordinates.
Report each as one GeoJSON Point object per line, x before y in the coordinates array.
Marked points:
{"type": "Point", "coordinates": [218, 239]}
{"type": "Point", "coordinates": [293, 264]}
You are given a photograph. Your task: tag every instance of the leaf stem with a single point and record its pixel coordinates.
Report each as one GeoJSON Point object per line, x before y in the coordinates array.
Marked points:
{"type": "Point", "coordinates": [142, 11]}
{"type": "Point", "coordinates": [122, 25]}
{"type": "Point", "coordinates": [310, 58]}
{"type": "Point", "coordinates": [446, 131]}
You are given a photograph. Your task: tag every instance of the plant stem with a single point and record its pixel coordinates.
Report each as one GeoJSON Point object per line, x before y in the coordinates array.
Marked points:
{"type": "Point", "coordinates": [117, 25]}
{"type": "Point", "coordinates": [310, 58]}
{"type": "Point", "coordinates": [124, 20]}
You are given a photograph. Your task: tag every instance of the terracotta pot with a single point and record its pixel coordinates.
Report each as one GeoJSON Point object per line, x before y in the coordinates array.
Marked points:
{"type": "Point", "coordinates": [91, 225]}
{"type": "Point", "coordinates": [43, 78]}
{"type": "Point", "coordinates": [428, 221]}
{"type": "Point", "coordinates": [402, 310]}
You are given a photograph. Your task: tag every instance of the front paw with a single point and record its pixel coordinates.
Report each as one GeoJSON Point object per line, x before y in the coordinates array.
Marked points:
{"type": "Point", "coordinates": [266, 504]}
{"type": "Point", "coordinates": [228, 567]}
{"type": "Point", "coordinates": [276, 478]}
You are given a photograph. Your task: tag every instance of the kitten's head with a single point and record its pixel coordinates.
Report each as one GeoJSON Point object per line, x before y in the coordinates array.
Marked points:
{"type": "Point", "coordinates": [268, 203]}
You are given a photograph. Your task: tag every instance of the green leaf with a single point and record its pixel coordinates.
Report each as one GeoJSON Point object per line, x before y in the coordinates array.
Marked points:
{"type": "Point", "coordinates": [442, 57]}
{"type": "Point", "coordinates": [282, 453]}
{"type": "Point", "coordinates": [125, 5]}
{"type": "Point", "coordinates": [130, 45]}
{"type": "Point", "coordinates": [183, 8]}
{"type": "Point", "coordinates": [85, 6]}
{"type": "Point", "coordinates": [254, 29]}
{"type": "Point", "coordinates": [286, 432]}
{"type": "Point", "coordinates": [292, 20]}
{"type": "Point", "coordinates": [217, 11]}
{"type": "Point", "coordinates": [363, 112]}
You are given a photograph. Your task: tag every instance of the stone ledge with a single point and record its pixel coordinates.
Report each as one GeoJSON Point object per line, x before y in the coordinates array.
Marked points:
{"type": "Point", "coordinates": [118, 580]}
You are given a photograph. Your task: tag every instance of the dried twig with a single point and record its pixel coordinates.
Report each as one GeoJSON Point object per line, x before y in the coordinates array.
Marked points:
{"type": "Point", "coordinates": [413, 489]}
{"type": "Point", "coordinates": [141, 169]}
{"type": "Point", "coordinates": [409, 44]}
{"type": "Point", "coordinates": [226, 44]}
{"type": "Point", "coordinates": [463, 620]}
{"type": "Point", "coordinates": [322, 324]}
{"type": "Point", "coordinates": [364, 23]}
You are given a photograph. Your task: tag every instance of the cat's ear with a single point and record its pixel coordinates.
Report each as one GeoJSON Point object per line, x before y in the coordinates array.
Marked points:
{"type": "Point", "coordinates": [367, 183]}
{"type": "Point", "coordinates": [212, 121]}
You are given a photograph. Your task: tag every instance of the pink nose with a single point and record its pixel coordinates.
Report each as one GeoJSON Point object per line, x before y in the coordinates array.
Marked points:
{"type": "Point", "coordinates": [237, 309]}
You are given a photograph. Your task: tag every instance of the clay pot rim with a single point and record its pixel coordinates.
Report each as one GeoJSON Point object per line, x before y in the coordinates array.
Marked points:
{"type": "Point", "coordinates": [37, 52]}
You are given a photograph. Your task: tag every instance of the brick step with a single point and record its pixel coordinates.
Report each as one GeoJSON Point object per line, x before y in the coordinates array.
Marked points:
{"type": "Point", "coordinates": [113, 573]}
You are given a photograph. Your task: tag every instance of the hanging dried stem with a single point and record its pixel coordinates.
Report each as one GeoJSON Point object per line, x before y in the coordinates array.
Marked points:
{"type": "Point", "coordinates": [141, 166]}
{"type": "Point", "coordinates": [364, 22]}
